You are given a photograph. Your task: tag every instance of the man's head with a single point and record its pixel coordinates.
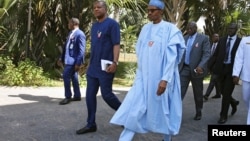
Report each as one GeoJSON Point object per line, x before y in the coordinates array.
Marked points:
{"type": "Point", "coordinates": [232, 29]}
{"type": "Point", "coordinates": [191, 28]}
{"type": "Point", "coordinates": [155, 10]}
{"type": "Point", "coordinates": [73, 23]}
{"type": "Point", "coordinates": [215, 38]}
{"type": "Point", "coordinates": [157, 3]}
{"type": "Point", "coordinates": [100, 9]}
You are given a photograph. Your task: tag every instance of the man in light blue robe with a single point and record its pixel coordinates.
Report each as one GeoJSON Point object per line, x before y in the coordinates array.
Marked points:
{"type": "Point", "coordinates": [153, 104]}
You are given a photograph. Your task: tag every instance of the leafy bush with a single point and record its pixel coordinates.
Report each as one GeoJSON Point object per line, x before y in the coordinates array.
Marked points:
{"type": "Point", "coordinates": [130, 71]}
{"type": "Point", "coordinates": [125, 73]}
{"type": "Point", "coordinates": [26, 73]}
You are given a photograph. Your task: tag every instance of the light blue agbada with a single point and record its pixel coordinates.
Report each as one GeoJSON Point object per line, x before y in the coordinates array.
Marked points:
{"type": "Point", "coordinates": [159, 50]}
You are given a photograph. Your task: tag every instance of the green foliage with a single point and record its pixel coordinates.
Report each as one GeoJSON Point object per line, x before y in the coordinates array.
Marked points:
{"type": "Point", "coordinates": [50, 20]}
{"type": "Point", "coordinates": [125, 73]}
{"type": "Point", "coordinates": [26, 73]}
{"type": "Point", "coordinates": [130, 71]}
{"type": "Point", "coordinates": [173, 7]}
{"type": "Point", "coordinates": [5, 5]}
{"type": "Point", "coordinates": [82, 80]}
{"type": "Point", "coordinates": [128, 34]}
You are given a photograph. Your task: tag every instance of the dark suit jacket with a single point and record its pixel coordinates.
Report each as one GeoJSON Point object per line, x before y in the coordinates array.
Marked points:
{"type": "Point", "coordinates": [210, 61]}
{"type": "Point", "coordinates": [220, 52]}
{"type": "Point", "coordinates": [199, 54]}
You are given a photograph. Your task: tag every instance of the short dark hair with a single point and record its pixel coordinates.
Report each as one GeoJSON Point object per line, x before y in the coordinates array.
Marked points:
{"type": "Point", "coordinates": [233, 26]}
{"type": "Point", "coordinates": [75, 21]}
{"type": "Point", "coordinates": [193, 24]}
{"type": "Point", "coordinates": [104, 4]}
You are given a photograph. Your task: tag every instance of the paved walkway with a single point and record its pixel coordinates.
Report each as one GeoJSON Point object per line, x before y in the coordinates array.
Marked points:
{"type": "Point", "coordinates": [33, 114]}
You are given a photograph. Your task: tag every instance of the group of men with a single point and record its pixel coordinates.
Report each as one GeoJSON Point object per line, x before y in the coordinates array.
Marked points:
{"type": "Point", "coordinates": [105, 45]}
{"type": "Point", "coordinates": [201, 57]}
{"type": "Point", "coordinates": [223, 61]}
{"type": "Point", "coordinates": [166, 63]}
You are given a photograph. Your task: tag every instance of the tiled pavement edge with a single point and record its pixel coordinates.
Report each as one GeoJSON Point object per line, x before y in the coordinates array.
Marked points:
{"type": "Point", "coordinates": [33, 114]}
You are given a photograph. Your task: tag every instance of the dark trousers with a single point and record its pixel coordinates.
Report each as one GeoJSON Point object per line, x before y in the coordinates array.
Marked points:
{"type": "Point", "coordinates": [213, 83]}
{"type": "Point", "coordinates": [105, 84]}
{"type": "Point", "coordinates": [197, 85]}
{"type": "Point", "coordinates": [227, 87]}
{"type": "Point", "coordinates": [69, 74]}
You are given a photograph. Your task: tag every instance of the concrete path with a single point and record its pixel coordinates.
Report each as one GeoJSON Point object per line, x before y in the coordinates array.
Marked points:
{"type": "Point", "coordinates": [33, 114]}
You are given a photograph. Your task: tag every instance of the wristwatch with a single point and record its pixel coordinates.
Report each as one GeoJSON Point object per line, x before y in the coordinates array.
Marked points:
{"type": "Point", "coordinates": [115, 62]}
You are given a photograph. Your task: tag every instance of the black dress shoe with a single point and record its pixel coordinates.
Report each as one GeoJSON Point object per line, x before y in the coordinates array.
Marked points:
{"type": "Point", "coordinates": [222, 120]}
{"type": "Point", "coordinates": [197, 116]}
{"type": "Point", "coordinates": [216, 96]}
{"type": "Point", "coordinates": [65, 101]}
{"type": "Point", "coordinates": [234, 107]}
{"type": "Point", "coordinates": [205, 97]}
{"type": "Point", "coordinates": [76, 99]}
{"type": "Point", "coordinates": [86, 129]}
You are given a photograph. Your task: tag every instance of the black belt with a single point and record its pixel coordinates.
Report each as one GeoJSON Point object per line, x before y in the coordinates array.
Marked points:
{"type": "Point", "coordinates": [186, 64]}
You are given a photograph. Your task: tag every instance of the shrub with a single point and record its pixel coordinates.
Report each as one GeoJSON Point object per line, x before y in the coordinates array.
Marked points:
{"type": "Point", "coordinates": [26, 73]}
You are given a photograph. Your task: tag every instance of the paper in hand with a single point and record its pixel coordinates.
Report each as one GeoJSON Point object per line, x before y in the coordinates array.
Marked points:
{"type": "Point", "coordinates": [105, 64]}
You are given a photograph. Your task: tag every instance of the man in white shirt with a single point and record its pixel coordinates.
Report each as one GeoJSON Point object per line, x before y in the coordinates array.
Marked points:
{"type": "Point", "coordinates": [241, 71]}
{"type": "Point", "coordinates": [223, 67]}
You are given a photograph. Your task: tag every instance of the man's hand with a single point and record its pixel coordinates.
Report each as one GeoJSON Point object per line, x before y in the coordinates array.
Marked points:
{"type": "Point", "coordinates": [199, 70]}
{"type": "Point", "coordinates": [59, 63]}
{"type": "Point", "coordinates": [161, 87]}
{"type": "Point", "coordinates": [236, 80]}
{"type": "Point", "coordinates": [111, 68]}
{"type": "Point", "coordinates": [77, 68]}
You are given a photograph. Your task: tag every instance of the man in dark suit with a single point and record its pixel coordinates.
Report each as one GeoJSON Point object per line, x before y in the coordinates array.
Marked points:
{"type": "Point", "coordinates": [223, 66]}
{"type": "Point", "coordinates": [213, 77]}
{"type": "Point", "coordinates": [193, 66]}
{"type": "Point", "coordinates": [72, 58]}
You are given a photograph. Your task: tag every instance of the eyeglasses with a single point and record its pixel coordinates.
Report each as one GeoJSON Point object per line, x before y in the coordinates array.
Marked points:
{"type": "Point", "coordinates": [152, 10]}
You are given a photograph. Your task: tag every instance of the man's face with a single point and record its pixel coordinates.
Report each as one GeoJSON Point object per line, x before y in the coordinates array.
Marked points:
{"type": "Point", "coordinates": [232, 29]}
{"type": "Point", "coordinates": [215, 38]}
{"type": "Point", "coordinates": [154, 13]}
{"type": "Point", "coordinates": [191, 29]}
{"type": "Point", "coordinates": [99, 10]}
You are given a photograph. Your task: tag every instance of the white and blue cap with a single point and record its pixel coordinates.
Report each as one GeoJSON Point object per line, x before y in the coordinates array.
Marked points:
{"type": "Point", "coordinates": [157, 3]}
